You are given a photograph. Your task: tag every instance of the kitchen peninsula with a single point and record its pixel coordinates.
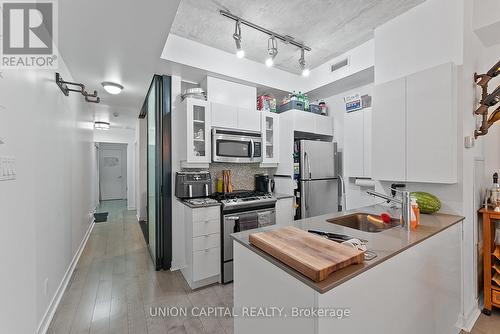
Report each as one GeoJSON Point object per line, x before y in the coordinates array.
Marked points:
{"type": "Point", "coordinates": [415, 279]}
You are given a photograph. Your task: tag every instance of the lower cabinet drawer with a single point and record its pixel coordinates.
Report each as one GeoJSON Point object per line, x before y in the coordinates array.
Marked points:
{"type": "Point", "coordinates": [206, 228]}
{"type": "Point", "coordinates": [206, 242]}
{"type": "Point", "coordinates": [206, 263]}
{"type": "Point", "coordinates": [204, 214]}
{"type": "Point", "coordinates": [495, 297]}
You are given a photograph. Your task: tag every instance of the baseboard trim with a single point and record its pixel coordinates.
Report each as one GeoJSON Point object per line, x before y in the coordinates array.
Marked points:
{"type": "Point", "coordinates": [467, 321]}
{"type": "Point", "coordinates": [54, 303]}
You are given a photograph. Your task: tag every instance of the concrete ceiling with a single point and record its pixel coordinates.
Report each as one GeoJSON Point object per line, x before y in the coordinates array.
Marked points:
{"type": "Point", "coordinates": [119, 41]}
{"type": "Point", "coordinates": [329, 27]}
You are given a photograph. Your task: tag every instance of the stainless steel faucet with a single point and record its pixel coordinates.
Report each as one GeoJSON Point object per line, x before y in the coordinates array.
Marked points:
{"type": "Point", "coordinates": [405, 203]}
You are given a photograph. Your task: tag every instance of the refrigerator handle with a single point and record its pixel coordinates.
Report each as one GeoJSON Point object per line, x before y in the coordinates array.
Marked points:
{"type": "Point", "coordinates": [308, 165]}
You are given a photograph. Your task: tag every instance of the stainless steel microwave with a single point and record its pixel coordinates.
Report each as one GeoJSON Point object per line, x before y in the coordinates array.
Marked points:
{"type": "Point", "coordinates": [230, 145]}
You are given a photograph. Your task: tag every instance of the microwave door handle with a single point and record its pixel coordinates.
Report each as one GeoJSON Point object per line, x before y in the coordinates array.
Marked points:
{"type": "Point", "coordinates": [252, 149]}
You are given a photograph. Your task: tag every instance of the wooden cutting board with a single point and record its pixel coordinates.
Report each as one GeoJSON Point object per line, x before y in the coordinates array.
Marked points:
{"type": "Point", "coordinates": [309, 254]}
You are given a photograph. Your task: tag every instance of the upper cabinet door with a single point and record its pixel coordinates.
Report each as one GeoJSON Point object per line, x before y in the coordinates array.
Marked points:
{"type": "Point", "coordinates": [388, 131]}
{"type": "Point", "coordinates": [248, 119]}
{"type": "Point", "coordinates": [270, 137]}
{"type": "Point", "coordinates": [367, 142]}
{"type": "Point", "coordinates": [353, 144]}
{"type": "Point", "coordinates": [432, 126]}
{"type": "Point", "coordinates": [198, 131]}
{"type": "Point", "coordinates": [224, 116]}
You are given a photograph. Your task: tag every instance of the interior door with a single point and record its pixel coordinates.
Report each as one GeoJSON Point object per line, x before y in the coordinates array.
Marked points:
{"type": "Point", "coordinates": [112, 172]}
{"type": "Point", "coordinates": [159, 161]}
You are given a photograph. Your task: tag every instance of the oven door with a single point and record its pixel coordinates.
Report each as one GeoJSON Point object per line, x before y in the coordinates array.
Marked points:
{"type": "Point", "coordinates": [234, 146]}
{"type": "Point", "coordinates": [238, 222]}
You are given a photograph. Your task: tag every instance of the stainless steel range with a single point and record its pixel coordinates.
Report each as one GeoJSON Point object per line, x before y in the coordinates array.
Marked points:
{"type": "Point", "coordinates": [241, 211]}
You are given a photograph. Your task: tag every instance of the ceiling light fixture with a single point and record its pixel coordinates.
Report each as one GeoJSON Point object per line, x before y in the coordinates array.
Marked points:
{"type": "Point", "coordinates": [112, 88]}
{"type": "Point", "coordinates": [240, 53]}
{"type": "Point", "coordinates": [99, 125]}
{"type": "Point", "coordinates": [272, 50]}
{"type": "Point", "coordinates": [302, 64]}
{"type": "Point", "coordinates": [272, 46]}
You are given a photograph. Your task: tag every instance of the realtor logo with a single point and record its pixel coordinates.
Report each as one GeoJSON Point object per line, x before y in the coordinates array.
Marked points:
{"type": "Point", "coordinates": [28, 35]}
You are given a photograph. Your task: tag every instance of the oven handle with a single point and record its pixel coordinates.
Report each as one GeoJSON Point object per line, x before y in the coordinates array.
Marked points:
{"type": "Point", "coordinates": [252, 149]}
{"type": "Point", "coordinates": [236, 220]}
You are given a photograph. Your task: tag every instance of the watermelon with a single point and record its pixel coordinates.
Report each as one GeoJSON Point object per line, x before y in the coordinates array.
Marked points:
{"type": "Point", "coordinates": [427, 203]}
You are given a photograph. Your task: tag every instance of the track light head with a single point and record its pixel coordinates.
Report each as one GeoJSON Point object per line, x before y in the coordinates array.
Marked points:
{"type": "Point", "coordinates": [240, 53]}
{"type": "Point", "coordinates": [272, 50]}
{"type": "Point", "coordinates": [302, 64]}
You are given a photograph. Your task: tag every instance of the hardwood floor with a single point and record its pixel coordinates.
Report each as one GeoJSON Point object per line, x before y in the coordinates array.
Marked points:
{"type": "Point", "coordinates": [115, 285]}
{"type": "Point", "coordinates": [487, 324]}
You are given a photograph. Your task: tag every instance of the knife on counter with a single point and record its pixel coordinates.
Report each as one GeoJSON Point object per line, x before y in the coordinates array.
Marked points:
{"type": "Point", "coordinates": [335, 236]}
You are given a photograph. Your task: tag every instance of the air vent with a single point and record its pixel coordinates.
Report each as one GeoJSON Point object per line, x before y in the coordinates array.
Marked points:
{"type": "Point", "coordinates": [338, 65]}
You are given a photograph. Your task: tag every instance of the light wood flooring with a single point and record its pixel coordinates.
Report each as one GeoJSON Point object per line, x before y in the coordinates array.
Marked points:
{"type": "Point", "coordinates": [115, 284]}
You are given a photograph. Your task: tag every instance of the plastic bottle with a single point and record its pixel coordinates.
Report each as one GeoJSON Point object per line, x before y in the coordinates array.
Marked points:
{"type": "Point", "coordinates": [415, 214]}
{"type": "Point", "coordinates": [306, 102]}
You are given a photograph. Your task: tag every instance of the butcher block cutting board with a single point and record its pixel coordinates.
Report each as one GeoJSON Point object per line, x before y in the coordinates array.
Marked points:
{"type": "Point", "coordinates": [309, 254]}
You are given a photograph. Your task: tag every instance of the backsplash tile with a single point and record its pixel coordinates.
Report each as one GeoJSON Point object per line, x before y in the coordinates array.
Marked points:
{"type": "Point", "coordinates": [242, 174]}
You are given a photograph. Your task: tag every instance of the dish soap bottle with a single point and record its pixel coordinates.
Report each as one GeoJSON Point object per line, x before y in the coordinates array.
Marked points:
{"type": "Point", "coordinates": [415, 214]}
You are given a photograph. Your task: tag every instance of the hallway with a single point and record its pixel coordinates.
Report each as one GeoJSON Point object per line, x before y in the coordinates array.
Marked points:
{"type": "Point", "coordinates": [115, 284]}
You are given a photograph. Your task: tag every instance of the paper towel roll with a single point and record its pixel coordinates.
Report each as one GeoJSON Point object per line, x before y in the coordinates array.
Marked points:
{"type": "Point", "coordinates": [364, 183]}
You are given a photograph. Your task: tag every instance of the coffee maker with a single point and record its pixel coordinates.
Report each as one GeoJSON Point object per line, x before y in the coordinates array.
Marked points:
{"type": "Point", "coordinates": [263, 183]}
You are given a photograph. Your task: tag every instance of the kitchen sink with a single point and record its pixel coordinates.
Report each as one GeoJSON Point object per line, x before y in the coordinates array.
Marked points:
{"type": "Point", "coordinates": [359, 221]}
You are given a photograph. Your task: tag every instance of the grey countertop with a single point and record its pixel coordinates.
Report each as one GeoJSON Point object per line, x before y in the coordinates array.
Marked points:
{"type": "Point", "coordinates": [198, 206]}
{"type": "Point", "coordinates": [385, 244]}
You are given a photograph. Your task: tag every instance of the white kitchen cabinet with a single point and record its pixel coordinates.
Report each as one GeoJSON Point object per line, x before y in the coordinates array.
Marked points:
{"type": "Point", "coordinates": [367, 142]}
{"type": "Point", "coordinates": [202, 233]}
{"type": "Point", "coordinates": [248, 119]}
{"type": "Point", "coordinates": [323, 125]}
{"type": "Point", "coordinates": [431, 137]}
{"type": "Point", "coordinates": [304, 121]}
{"type": "Point", "coordinates": [285, 211]}
{"type": "Point", "coordinates": [388, 131]}
{"type": "Point", "coordinates": [224, 116]}
{"type": "Point", "coordinates": [197, 121]}
{"type": "Point", "coordinates": [270, 137]}
{"type": "Point", "coordinates": [357, 143]}
{"type": "Point", "coordinates": [415, 127]}
{"type": "Point", "coordinates": [232, 117]}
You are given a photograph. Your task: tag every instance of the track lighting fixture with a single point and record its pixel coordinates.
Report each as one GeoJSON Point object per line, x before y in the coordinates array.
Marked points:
{"type": "Point", "coordinates": [240, 53]}
{"type": "Point", "coordinates": [272, 43]}
{"type": "Point", "coordinates": [272, 50]}
{"type": "Point", "coordinates": [302, 64]}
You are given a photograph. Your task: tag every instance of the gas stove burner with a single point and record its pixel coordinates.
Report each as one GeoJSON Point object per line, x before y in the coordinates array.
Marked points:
{"type": "Point", "coordinates": [244, 198]}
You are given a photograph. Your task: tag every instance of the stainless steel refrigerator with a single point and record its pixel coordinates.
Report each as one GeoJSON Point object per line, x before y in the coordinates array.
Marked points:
{"type": "Point", "coordinates": [318, 178]}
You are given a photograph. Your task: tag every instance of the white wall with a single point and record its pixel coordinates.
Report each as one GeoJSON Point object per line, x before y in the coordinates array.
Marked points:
{"type": "Point", "coordinates": [427, 35]}
{"type": "Point", "coordinates": [360, 58]}
{"type": "Point", "coordinates": [178, 238]}
{"type": "Point", "coordinates": [46, 211]}
{"type": "Point", "coordinates": [123, 136]}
